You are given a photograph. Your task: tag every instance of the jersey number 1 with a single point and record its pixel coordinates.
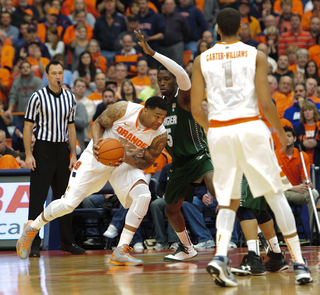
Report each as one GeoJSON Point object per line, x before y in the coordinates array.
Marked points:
{"type": "Point", "coordinates": [228, 73]}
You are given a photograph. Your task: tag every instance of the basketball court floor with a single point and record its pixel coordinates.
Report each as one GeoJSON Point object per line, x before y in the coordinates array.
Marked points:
{"type": "Point", "coordinates": [59, 273]}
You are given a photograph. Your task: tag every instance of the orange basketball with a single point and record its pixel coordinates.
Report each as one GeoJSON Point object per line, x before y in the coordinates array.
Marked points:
{"type": "Point", "coordinates": [111, 150]}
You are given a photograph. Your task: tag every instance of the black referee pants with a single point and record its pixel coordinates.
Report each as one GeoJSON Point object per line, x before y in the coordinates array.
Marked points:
{"type": "Point", "coordinates": [52, 162]}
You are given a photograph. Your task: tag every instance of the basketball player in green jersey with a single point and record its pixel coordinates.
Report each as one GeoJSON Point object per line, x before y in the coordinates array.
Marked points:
{"type": "Point", "coordinates": [187, 144]}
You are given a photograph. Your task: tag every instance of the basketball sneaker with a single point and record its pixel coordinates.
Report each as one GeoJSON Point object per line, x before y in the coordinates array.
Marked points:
{"type": "Point", "coordinates": [251, 265]}
{"type": "Point", "coordinates": [24, 243]}
{"type": "Point", "coordinates": [302, 273]}
{"type": "Point", "coordinates": [276, 262]}
{"type": "Point", "coordinates": [182, 253]}
{"type": "Point", "coordinates": [121, 256]}
{"type": "Point", "coordinates": [219, 269]}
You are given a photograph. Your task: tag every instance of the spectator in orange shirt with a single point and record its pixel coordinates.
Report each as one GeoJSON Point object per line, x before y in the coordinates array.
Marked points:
{"type": "Point", "coordinates": [5, 82]}
{"type": "Point", "coordinates": [314, 27]}
{"type": "Point", "coordinates": [141, 81]}
{"type": "Point", "coordinates": [295, 37]}
{"type": "Point", "coordinates": [99, 61]}
{"type": "Point", "coordinates": [291, 165]}
{"type": "Point", "coordinates": [306, 17]}
{"type": "Point", "coordinates": [38, 63]}
{"type": "Point", "coordinates": [297, 6]}
{"type": "Point", "coordinates": [302, 59]}
{"type": "Point", "coordinates": [283, 96]}
{"type": "Point", "coordinates": [311, 85]}
{"type": "Point", "coordinates": [244, 9]}
{"type": "Point", "coordinates": [51, 21]}
{"type": "Point", "coordinates": [31, 36]}
{"type": "Point", "coordinates": [70, 32]}
{"type": "Point", "coordinates": [6, 52]}
{"type": "Point", "coordinates": [81, 5]}
{"type": "Point", "coordinates": [283, 21]}
{"type": "Point", "coordinates": [314, 51]}
{"type": "Point", "coordinates": [311, 70]}
{"type": "Point", "coordinates": [100, 81]}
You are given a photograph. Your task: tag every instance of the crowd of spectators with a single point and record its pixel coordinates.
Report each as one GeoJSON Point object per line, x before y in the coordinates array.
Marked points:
{"type": "Point", "coordinates": [103, 62]}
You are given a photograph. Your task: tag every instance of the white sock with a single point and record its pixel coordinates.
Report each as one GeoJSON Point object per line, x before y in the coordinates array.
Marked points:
{"type": "Point", "coordinates": [295, 249]}
{"type": "Point", "coordinates": [274, 245]}
{"type": "Point", "coordinates": [224, 224]}
{"type": "Point", "coordinates": [253, 245]}
{"type": "Point", "coordinates": [38, 222]}
{"type": "Point", "coordinates": [126, 237]}
{"type": "Point", "coordinates": [184, 238]}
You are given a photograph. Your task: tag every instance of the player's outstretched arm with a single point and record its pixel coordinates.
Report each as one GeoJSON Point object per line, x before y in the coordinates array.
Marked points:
{"type": "Point", "coordinates": [181, 75]}
{"type": "Point", "coordinates": [105, 120]}
{"type": "Point", "coordinates": [197, 95]}
{"type": "Point", "coordinates": [268, 108]}
{"type": "Point", "coordinates": [150, 154]}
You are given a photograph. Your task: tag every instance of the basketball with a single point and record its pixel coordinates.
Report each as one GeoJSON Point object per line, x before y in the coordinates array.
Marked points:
{"type": "Point", "coordinates": [111, 150]}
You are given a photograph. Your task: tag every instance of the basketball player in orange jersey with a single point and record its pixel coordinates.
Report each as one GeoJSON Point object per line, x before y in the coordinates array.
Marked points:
{"type": "Point", "coordinates": [141, 131]}
{"type": "Point", "coordinates": [233, 74]}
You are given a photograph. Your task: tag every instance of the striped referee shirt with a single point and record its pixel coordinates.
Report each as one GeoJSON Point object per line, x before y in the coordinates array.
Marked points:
{"type": "Point", "coordinates": [51, 113]}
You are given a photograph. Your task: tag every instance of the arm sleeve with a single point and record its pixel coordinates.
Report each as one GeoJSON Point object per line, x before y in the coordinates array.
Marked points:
{"type": "Point", "coordinates": [181, 75]}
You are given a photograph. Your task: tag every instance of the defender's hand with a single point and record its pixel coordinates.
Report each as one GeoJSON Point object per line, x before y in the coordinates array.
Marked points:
{"type": "Point", "coordinates": [143, 43]}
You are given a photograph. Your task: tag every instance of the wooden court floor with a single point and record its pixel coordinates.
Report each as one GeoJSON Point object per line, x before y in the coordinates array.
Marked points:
{"type": "Point", "coordinates": [58, 273]}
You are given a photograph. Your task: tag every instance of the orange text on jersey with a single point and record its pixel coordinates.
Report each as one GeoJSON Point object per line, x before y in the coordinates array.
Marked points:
{"type": "Point", "coordinates": [130, 137]}
{"type": "Point", "coordinates": [227, 55]}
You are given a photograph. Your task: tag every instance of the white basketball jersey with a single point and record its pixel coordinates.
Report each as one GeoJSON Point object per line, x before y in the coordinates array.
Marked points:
{"type": "Point", "coordinates": [131, 133]}
{"type": "Point", "coordinates": [229, 71]}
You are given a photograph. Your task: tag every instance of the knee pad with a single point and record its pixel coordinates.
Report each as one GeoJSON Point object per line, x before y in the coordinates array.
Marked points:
{"type": "Point", "coordinates": [245, 214]}
{"type": "Point", "coordinates": [264, 217]}
{"type": "Point", "coordinates": [57, 208]}
{"type": "Point", "coordinates": [141, 198]}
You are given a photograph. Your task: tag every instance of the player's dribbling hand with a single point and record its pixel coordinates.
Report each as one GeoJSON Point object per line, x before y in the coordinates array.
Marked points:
{"type": "Point", "coordinates": [143, 43]}
{"type": "Point", "coordinates": [95, 149]}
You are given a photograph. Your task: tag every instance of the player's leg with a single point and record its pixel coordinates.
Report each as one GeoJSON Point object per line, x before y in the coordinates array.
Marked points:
{"type": "Point", "coordinates": [277, 261]}
{"type": "Point", "coordinates": [175, 188]}
{"type": "Point", "coordinates": [285, 220]}
{"type": "Point", "coordinates": [141, 197]}
{"type": "Point", "coordinates": [263, 174]}
{"type": "Point", "coordinates": [227, 183]}
{"type": "Point", "coordinates": [85, 179]}
{"type": "Point", "coordinates": [251, 263]}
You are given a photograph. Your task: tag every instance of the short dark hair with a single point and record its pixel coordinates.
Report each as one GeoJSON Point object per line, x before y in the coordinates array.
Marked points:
{"type": "Point", "coordinates": [52, 62]}
{"type": "Point", "coordinates": [289, 129]}
{"type": "Point", "coordinates": [300, 83]}
{"type": "Point", "coordinates": [156, 102]}
{"type": "Point", "coordinates": [24, 62]}
{"type": "Point", "coordinates": [163, 68]}
{"type": "Point", "coordinates": [229, 20]}
{"type": "Point", "coordinates": [107, 89]}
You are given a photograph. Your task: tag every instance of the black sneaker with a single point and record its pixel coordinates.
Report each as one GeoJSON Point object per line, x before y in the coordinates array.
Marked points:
{"type": "Point", "coordinates": [251, 265]}
{"type": "Point", "coordinates": [277, 262]}
{"type": "Point", "coordinates": [35, 252]}
{"type": "Point", "coordinates": [74, 249]}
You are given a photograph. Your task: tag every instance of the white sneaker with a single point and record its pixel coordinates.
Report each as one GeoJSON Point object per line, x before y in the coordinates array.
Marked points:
{"type": "Point", "coordinates": [205, 245]}
{"type": "Point", "coordinates": [183, 252]}
{"type": "Point", "coordinates": [111, 232]}
{"type": "Point", "coordinates": [138, 246]}
{"type": "Point", "coordinates": [160, 246]}
{"type": "Point", "coordinates": [174, 246]}
{"type": "Point", "coordinates": [91, 242]}
{"type": "Point", "coordinates": [232, 245]}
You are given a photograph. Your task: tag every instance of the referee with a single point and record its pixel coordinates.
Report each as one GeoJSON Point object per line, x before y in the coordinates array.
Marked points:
{"type": "Point", "coordinates": [50, 115]}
